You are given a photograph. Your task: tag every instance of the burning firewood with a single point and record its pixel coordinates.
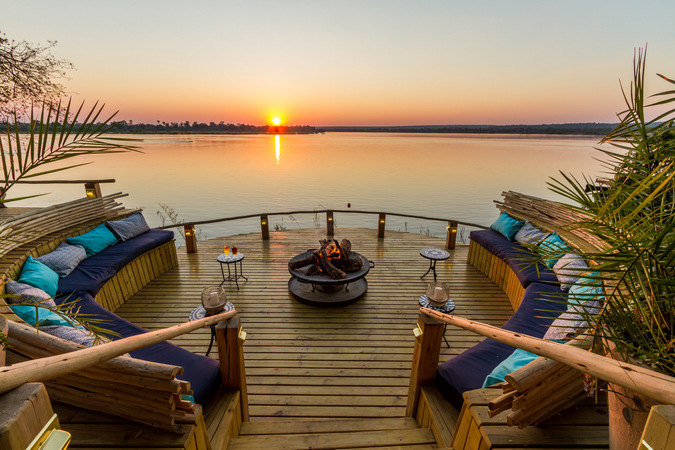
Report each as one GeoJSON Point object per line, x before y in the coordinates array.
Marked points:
{"type": "Point", "coordinates": [331, 258]}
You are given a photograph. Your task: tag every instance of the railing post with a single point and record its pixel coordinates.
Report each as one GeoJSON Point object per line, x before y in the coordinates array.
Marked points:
{"type": "Point", "coordinates": [230, 339]}
{"type": "Point", "coordinates": [92, 190]}
{"type": "Point", "coordinates": [451, 239]}
{"type": "Point", "coordinates": [428, 335]}
{"type": "Point", "coordinates": [381, 225]}
{"type": "Point", "coordinates": [264, 227]}
{"type": "Point", "coordinates": [330, 229]}
{"type": "Point", "coordinates": [190, 238]}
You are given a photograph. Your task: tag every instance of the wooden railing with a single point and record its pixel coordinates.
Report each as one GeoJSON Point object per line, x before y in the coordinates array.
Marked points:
{"type": "Point", "coordinates": [92, 188]}
{"type": "Point", "coordinates": [191, 234]}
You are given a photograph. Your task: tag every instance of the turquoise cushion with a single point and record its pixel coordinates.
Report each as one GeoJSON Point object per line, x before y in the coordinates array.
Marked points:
{"type": "Point", "coordinates": [507, 226]}
{"type": "Point", "coordinates": [518, 359]}
{"type": "Point", "coordinates": [95, 240]}
{"type": "Point", "coordinates": [42, 316]}
{"type": "Point", "coordinates": [40, 276]}
{"type": "Point", "coordinates": [553, 248]}
{"type": "Point", "coordinates": [588, 287]}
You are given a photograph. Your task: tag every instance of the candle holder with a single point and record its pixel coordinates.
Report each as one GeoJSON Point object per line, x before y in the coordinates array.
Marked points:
{"type": "Point", "coordinates": [438, 293]}
{"type": "Point", "coordinates": [213, 299]}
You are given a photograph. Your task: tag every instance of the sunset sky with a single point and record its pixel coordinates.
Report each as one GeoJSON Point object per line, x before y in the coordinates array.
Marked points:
{"type": "Point", "coordinates": [321, 63]}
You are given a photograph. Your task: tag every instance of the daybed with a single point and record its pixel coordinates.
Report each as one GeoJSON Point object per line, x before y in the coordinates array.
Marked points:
{"type": "Point", "coordinates": [537, 287]}
{"type": "Point", "coordinates": [134, 388]}
{"type": "Point", "coordinates": [541, 302]}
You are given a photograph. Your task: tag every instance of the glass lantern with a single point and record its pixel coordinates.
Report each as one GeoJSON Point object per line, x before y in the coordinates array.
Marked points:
{"type": "Point", "coordinates": [213, 299]}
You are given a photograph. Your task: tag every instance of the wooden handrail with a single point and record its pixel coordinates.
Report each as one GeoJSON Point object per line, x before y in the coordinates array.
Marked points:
{"type": "Point", "coordinates": [656, 385]}
{"type": "Point", "coordinates": [107, 180]}
{"type": "Point", "coordinates": [59, 365]}
{"type": "Point", "coordinates": [319, 211]}
{"type": "Point", "coordinates": [191, 238]}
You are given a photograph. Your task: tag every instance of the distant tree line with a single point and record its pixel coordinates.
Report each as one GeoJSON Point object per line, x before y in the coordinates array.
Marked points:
{"type": "Point", "coordinates": [592, 129]}
{"type": "Point", "coordinates": [210, 128]}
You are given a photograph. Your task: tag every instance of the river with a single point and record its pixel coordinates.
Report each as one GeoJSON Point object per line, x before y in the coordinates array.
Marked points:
{"type": "Point", "coordinates": [454, 176]}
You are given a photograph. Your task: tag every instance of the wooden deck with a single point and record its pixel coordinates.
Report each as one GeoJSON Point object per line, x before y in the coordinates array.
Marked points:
{"type": "Point", "coordinates": [310, 362]}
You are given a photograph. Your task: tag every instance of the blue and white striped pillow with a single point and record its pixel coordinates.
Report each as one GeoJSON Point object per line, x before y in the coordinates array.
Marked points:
{"type": "Point", "coordinates": [129, 227]}
{"type": "Point", "coordinates": [64, 259]}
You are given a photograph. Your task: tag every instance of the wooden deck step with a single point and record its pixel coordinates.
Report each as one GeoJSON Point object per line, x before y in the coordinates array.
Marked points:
{"type": "Point", "coordinates": [333, 434]}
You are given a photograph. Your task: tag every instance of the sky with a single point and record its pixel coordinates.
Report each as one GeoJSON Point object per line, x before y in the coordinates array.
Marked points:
{"type": "Point", "coordinates": [368, 62]}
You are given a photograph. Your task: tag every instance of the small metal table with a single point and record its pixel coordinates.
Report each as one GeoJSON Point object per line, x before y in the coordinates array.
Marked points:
{"type": "Point", "coordinates": [446, 308]}
{"type": "Point", "coordinates": [199, 313]}
{"type": "Point", "coordinates": [231, 259]}
{"type": "Point", "coordinates": [433, 255]}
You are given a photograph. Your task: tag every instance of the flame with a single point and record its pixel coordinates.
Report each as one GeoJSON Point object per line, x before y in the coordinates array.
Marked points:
{"type": "Point", "coordinates": [332, 252]}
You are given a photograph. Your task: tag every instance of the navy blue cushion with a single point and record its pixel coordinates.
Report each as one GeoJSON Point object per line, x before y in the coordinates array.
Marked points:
{"type": "Point", "coordinates": [92, 273]}
{"type": "Point", "coordinates": [202, 372]}
{"type": "Point", "coordinates": [523, 262]}
{"type": "Point", "coordinates": [540, 305]}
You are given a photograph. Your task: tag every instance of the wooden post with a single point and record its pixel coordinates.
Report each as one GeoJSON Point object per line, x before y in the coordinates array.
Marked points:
{"type": "Point", "coordinates": [230, 339]}
{"type": "Point", "coordinates": [264, 227]}
{"type": "Point", "coordinates": [452, 235]}
{"type": "Point", "coordinates": [428, 335]}
{"type": "Point", "coordinates": [330, 230]}
{"type": "Point", "coordinates": [190, 238]}
{"type": "Point", "coordinates": [92, 190]}
{"type": "Point", "coordinates": [380, 225]}
{"type": "Point", "coordinates": [24, 412]}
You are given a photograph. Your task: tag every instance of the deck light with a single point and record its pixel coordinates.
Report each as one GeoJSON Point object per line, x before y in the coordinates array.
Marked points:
{"type": "Point", "coordinates": [91, 193]}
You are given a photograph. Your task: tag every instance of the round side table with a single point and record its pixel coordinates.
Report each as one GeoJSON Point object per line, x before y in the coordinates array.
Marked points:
{"type": "Point", "coordinates": [433, 255]}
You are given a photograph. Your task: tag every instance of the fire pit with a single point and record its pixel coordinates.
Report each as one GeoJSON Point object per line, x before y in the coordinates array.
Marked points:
{"type": "Point", "coordinates": [332, 275]}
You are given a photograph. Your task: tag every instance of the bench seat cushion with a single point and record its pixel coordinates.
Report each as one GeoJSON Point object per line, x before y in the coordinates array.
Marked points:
{"type": "Point", "coordinates": [202, 372]}
{"type": "Point", "coordinates": [522, 261]}
{"type": "Point", "coordinates": [541, 304]}
{"type": "Point", "coordinates": [92, 273]}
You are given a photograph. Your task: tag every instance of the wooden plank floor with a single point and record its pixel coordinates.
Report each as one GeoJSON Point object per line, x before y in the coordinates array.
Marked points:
{"type": "Point", "coordinates": [313, 362]}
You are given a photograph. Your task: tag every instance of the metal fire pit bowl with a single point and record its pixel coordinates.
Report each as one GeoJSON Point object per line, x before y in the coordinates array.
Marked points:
{"type": "Point", "coordinates": [322, 290]}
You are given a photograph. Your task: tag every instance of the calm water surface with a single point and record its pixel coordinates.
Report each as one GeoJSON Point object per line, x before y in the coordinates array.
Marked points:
{"type": "Point", "coordinates": [451, 176]}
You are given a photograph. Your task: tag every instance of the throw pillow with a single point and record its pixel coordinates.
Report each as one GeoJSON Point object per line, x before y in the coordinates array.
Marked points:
{"type": "Point", "coordinates": [553, 248]}
{"type": "Point", "coordinates": [129, 227]}
{"type": "Point", "coordinates": [530, 235]}
{"type": "Point", "coordinates": [64, 259]}
{"type": "Point", "coordinates": [40, 276]}
{"type": "Point", "coordinates": [588, 287]}
{"type": "Point", "coordinates": [572, 321]}
{"type": "Point", "coordinates": [25, 293]}
{"type": "Point", "coordinates": [568, 269]}
{"type": "Point", "coordinates": [518, 359]}
{"type": "Point", "coordinates": [507, 226]}
{"type": "Point", "coordinates": [37, 316]}
{"type": "Point", "coordinates": [95, 240]}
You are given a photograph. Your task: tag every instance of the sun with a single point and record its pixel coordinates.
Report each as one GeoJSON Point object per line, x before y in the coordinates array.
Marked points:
{"type": "Point", "coordinates": [276, 121]}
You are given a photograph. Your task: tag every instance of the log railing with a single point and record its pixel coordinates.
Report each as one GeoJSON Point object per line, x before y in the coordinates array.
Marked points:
{"type": "Point", "coordinates": [141, 391]}
{"type": "Point", "coordinates": [656, 385]}
{"type": "Point", "coordinates": [191, 235]}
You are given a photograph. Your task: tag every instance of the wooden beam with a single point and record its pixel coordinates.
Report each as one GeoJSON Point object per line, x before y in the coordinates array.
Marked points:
{"type": "Point", "coordinates": [190, 238]}
{"type": "Point", "coordinates": [656, 385]}
{"type": "Point", "coordinates": [381, 224]}
{"type": "Point", "coordinates": [330, 229]}
{"type": "Point", "coordinates": [230, 339]}
{"type": "Point", "coordinates": [428, 335]}
{"type": "Point", "coordinates": [451, 238]}
{"type": "Point", "coordinates": [264, 227]}
{"type": "Point", "coordinates": [56, 366]}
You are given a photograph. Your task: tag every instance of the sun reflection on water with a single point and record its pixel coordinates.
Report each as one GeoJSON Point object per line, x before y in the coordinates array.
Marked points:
{"type": "Point", "coordinates": [277, 146]}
